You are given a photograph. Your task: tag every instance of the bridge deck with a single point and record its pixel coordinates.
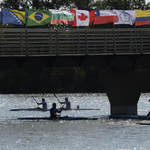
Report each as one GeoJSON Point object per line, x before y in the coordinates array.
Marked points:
{"type": "Point", "coordinates": [73, 42]}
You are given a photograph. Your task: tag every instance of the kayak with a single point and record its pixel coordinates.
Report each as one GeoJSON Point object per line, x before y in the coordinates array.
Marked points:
{"type": "Point", "coordinates": [80, 109]}
{"type": "Point", "coordinates": [129, 117]}
{"type": "Point", "coordinates": [29, 109]}
{"type": "Point", "coordinates": [143, 123]}
{"type": "Point", "coordinates": [44, 110]}
{"type": "Point", "coordinates": [58, 118]}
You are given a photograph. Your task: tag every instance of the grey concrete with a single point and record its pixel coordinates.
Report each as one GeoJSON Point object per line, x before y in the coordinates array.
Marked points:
{"type": "Point", "coordinates": [123, 87]}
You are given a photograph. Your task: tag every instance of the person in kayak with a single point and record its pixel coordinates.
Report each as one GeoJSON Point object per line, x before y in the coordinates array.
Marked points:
{"type": "Point", "coordinates": [43, 103]}
{"type": "Point", "coordinates": [67, 102]}
{"type": "Point", "coordinates": [54, 111]}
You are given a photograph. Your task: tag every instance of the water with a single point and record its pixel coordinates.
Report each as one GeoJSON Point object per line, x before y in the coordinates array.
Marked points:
{"type": "Point", "coordinates": [101, 134]}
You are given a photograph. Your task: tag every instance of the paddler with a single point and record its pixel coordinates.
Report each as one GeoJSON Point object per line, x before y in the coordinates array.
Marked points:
{"type": "Point", "coordinates": [54, 111]}
{"type": "Point", "coordinates": [67, 102]}
{"type": "Point", "coordinates": [149, 111]}
{"type": "Point", "coordinates": [43, 103]}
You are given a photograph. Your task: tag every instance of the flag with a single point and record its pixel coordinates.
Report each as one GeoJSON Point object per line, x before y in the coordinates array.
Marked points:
{"type": "Point", "coordinates": [37, 17]}
{"type": "Point", "coordinates": [10, 16]}
{"type": "Point", "coordinates": [125, 16]}
{"type": "Point", "coordinates": [0, 16]}
{"type": "Point", "coordinates": [105, 16]}
{"type": "Point", "coordinates": [59, 17]}
{"type": "Point", "coordinates": [142, 17]}
{"type": "Point", "coordinates": [83, 17]}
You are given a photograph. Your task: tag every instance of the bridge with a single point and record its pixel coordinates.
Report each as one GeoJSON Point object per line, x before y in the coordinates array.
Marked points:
{"type": "Point", "coordinates": [124, 53]}
{"type": "Point", "coordinates": [72, 42]}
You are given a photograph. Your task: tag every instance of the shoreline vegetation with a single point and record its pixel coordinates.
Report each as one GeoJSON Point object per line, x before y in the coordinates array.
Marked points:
{"type": "Point", "coordinates": [50, 80]}
{"type": "Point", "coordinates": [53, 80]}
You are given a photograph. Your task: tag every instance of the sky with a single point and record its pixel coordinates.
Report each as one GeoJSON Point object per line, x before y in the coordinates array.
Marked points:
{"type": "Point", "coordinates": [147, 1]}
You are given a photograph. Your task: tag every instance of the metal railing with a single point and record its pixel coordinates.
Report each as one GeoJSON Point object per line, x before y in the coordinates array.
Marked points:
{"type": "Point", "coordinates": [52, 42]}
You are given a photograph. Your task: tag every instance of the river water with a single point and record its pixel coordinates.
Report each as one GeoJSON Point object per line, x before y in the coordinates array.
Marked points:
{"type": "Point", "coordinates": [101, 134]}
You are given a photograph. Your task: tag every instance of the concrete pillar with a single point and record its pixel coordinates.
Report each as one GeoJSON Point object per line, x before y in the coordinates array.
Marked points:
{"type": "Point", "coordinates": [123, 88]}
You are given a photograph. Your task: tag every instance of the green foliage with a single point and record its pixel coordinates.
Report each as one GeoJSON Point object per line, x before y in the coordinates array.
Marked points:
{"type": "Point", "coordinates": [16, 4]}
{"type": "Point", "coordinates": [56, 4]}
{"type": "Point", "coordinates": [138, 4]}
{"type": "Point", "coordinates": [121, 4]}
{"type": "Point", "coordinates": [79, 4]}
{"type": "Point", "coordinates": [35, 4]}
{"type": "Point", "coordinates": [147, 7]}
{"type": "Point", "coordinates": [12, 4]}
{"type": "Point", "coordinates": [51, 80]}
{"type": "Point", "coordinates": [82, 4]}
{"type": "Point", "coordinates": [99, 4]}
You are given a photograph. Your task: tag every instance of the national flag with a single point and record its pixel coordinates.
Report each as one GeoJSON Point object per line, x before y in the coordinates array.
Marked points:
{"type": "Point", "coordinates": [142, 17]}
{"type": "Point", "coordinates": [38, 17]}
{"type": "Point", "coordinates": [0, 16]}
{"type": "Point", "coordinates": [125, 16]}
{"type": "Point", "coordinates": [59, 17]}
{"type": "Point", "coordinates": [83, 17]}
{"type": "Point", "coordinates": [105, 16]}
{"type": "Point", "coordinates": [10, 16]}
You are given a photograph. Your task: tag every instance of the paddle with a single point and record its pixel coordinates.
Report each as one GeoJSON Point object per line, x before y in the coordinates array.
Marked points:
{"type": "Point", "coordinates": [59, 101]}
{"type": "Point", "coordinates": [35, 100]}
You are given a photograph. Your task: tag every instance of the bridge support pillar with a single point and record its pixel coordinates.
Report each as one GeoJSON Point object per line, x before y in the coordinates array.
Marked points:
{"type": "Point", "coordinates": [123, 88]}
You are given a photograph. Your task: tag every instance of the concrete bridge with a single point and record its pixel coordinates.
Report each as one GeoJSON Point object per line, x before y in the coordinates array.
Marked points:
{"type": "Point", "coordinates": [124, 53]}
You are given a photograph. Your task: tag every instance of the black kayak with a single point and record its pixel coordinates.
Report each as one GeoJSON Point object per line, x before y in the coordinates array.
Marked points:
{"type": "Point", "coordinates": [129, 117]}
{"type": "Point", "coordinates": [58, 118]}
{"type": "Point", "coordinates": [44, 110]}
{"type": "Point", "coordinates": [143, 123]}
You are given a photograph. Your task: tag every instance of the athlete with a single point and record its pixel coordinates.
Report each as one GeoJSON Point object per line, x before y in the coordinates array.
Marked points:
{"type": "Point", "coordinates": [54, 111]}
{"type": "Point", "coordinates": [67, 102]}
{"type": "Point", "coordinates": [43, 103]}
{"type": "Point", "coordinates": [149, 111]}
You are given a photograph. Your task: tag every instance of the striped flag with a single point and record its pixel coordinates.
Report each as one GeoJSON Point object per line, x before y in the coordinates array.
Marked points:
{"type": "Point", "coordinates": [59, 17]}
{"type": "Point", "coordinates": [105, 16]}
{"type": "Point", "coordinates": [125, 16]}
{"type": "Point", "coordinates": [142, 17]}
{"type": "Point", "coordinates": [83, 17]}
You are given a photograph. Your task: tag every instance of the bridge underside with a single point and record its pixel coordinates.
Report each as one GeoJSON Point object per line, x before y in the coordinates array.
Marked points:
{"type": "Point", "coordinates": [75, 61]}
{"type": "Point", "coordinates": [122, 80]}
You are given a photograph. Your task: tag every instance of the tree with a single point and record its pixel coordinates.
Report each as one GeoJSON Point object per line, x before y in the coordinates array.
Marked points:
{"type": "Point", "coordinates": [138, 4]}
{"type": "Point", "coordinates": [147, 6]}
{"type": "Point", "coordinates": [50, 4]}
{"type": "Point", "coordinates": [82, 4]}
{"type": "Point", "coordinates": [16, 4]}
{"type": "Point", "coordinates": [99, 4]}
{"type": "Point", "coordinates": [35, 4]}
{"type": "Point", "coordinates": [12, 4]}
{"type": "Point", "coordinates": [120, 4]}
{"type": "Point", "coordinates": [56, 4]}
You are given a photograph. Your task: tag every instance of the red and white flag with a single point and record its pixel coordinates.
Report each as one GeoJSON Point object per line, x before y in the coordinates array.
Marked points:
{"type": "Point", "coordinates": [105, 16]}
{"type": "Point", "coordinates": [83, 17]}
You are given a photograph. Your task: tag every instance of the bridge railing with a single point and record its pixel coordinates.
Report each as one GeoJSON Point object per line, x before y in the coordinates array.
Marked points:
{"type": "Point", "coordinates": [52, 42]}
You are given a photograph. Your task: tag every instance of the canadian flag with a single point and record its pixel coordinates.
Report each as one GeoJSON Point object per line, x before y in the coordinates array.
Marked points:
{"type": "Point", "coordinates": [83, 17]}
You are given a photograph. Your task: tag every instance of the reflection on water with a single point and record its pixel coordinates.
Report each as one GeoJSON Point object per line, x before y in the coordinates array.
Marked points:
{"type": "Point", "coordinates": [87, 134]}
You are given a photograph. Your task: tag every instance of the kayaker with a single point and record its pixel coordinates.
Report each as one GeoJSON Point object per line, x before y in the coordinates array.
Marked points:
{"type": "Point", "coordinates": [54, 111]}
{"type": "Point", "coordinates": [43, 103]}
{"type": "Point", "coordinates": [149, 111]}
{"type": "Point", "coordinates": [67, 102]}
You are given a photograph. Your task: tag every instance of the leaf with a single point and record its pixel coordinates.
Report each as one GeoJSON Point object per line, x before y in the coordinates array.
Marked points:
{"type": "Point", "coordinates": [82, 17]}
